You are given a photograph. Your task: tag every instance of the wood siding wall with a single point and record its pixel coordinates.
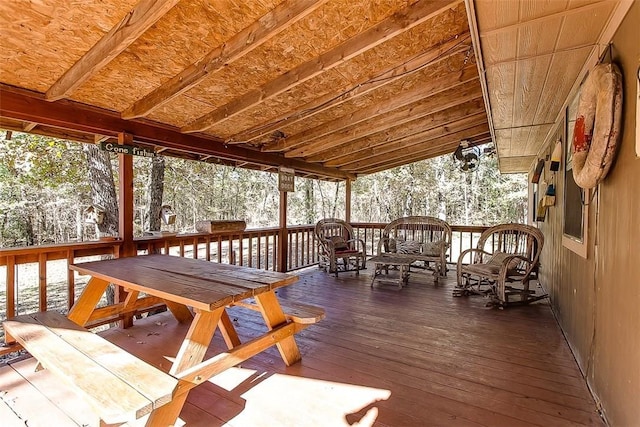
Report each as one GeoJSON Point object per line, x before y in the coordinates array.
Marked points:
{"type": "Point", "coordinates": [597, 300]}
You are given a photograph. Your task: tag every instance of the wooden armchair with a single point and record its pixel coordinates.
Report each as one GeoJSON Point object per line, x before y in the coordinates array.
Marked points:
{"type": "Point", "coordinates": [337, 248]}
{"type": "Point", "coordinates": [501, 266]}
{"type": "Point", "coordinates": [423, 238]}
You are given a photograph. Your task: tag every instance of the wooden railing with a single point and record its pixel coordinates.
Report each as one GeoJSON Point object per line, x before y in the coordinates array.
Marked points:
{"type": "Point", "coordinates": [464, 237]}
{"type": "Point", "coordinates": [37, 278]}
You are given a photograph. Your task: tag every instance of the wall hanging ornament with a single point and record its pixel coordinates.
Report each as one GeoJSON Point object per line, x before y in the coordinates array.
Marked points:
{"type": "Point", "coordinates": [597, 129]}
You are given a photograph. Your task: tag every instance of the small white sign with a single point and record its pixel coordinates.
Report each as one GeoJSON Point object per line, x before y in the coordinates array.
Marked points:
{"type": "Point", "coordinates": [286, 180]}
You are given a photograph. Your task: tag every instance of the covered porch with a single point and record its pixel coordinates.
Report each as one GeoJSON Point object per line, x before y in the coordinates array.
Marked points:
{"type": "Point", "coordinates": [335, 91]}
{"type": "Point", "coordinates": [380, 357]}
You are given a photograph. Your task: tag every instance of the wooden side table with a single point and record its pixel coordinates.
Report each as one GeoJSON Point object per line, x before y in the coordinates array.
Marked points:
{"type": "Point", "coordinates": [382, 263]}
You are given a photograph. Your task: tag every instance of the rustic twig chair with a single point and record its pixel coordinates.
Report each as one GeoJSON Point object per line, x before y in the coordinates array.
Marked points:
{"type": "Point", "coordinates": [501, 266]}
{"type": "Point", "coordinates": [423, 238]}
{"type": "Point", "coordinates": [337, 248]}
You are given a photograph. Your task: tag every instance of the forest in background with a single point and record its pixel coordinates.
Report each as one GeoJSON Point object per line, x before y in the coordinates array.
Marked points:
{"type": "Point", "coordinates": [45, 191]}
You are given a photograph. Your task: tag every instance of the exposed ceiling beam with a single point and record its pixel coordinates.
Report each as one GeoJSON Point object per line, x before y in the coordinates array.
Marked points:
{"type": "Point", "coordinates": [415, 144]}
{"type": "Point", "coordinates": [29, 126]}
{"type": "Point", "coordinates": [396, 24]}
{"type": "Point", "coordinates": [451, 84]}
{"type": "Point", "coordinates": [436, 152]}
{"type": "Point", "coordinates": [436, 109]}
{"type": "Point", "coordinates": [454, 46]}
{"type": "Point", "coordinates": [439, 150]}
{"type": "Point", "coordinates": [419, 124]}
{"type": "Point", "coordinates": [26, 106]}
{"type": "Point", "coordinates": [133, 25]}
{"type": "Point", "coordinates": [48, 131]}
{"type": "Point", "coordinates": [100, 138]}
{"type": "Point", "coordinates": [253, 36]}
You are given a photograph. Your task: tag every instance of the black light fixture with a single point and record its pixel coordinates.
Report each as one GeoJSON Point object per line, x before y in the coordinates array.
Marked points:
{"type": "Point", "coordinates": [468, 156]}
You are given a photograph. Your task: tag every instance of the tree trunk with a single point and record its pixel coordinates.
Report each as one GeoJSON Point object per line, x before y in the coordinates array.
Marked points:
{"type": "Point", "coordinates": [309, 213]}
{"type": "Point", "coordinates": [156, 192]}
{"type": "Point", "coordinates": [103, 194]}
{"type": "Point", "coordinates": [103, 188]}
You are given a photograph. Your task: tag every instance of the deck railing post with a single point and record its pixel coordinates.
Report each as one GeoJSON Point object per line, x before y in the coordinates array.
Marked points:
{"type": "Point", "coordinates": [125, 210]}
{"type": "Point", "coordinates": [283, 247]}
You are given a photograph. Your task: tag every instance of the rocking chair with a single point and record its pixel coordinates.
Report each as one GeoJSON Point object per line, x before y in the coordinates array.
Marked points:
{"type": "Point", "coordinates": [505, 260]}
{"type": "Point", "coordinates": [337, 248]}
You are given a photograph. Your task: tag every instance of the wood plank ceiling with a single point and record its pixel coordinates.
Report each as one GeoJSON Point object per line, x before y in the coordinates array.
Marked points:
{"type": "Point", "coordinates": [535, 55]}
{"type": "Point", "coordinates": [332, 88]}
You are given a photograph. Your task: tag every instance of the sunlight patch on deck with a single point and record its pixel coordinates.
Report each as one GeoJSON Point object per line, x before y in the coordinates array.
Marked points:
{"type": "Point", "coordinates": [269, 397]}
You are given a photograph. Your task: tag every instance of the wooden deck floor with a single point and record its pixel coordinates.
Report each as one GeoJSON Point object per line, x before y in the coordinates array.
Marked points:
{"type": "Point", "coordinates": [415, 357]}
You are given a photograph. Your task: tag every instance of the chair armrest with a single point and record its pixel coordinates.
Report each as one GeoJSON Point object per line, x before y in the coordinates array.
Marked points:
{"type": "Point", "coordinates": [510, 258]}
{"type": "Point", "coordinates": [381, 243]}
{"type": "Point", "coordinates": [468, 251]}
{"type": "Point", "coordinates": [358, 242]}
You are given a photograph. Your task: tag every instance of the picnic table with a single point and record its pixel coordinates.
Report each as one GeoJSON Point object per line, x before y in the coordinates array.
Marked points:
{"type": "Point", "coordinates": [195, 291]}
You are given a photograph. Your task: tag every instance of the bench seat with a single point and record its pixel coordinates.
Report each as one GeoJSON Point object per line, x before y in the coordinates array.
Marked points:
{"type": "Point", "coordinates": [118, 386]}
{"type": "Point", "coordinates": [296, 312]}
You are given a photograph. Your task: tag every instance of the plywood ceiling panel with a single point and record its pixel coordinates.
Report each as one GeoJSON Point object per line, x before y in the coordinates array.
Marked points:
{"type": "Point", "coordinates": [41, 40]}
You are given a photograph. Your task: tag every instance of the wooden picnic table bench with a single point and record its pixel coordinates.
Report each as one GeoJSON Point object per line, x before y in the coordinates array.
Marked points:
{"type": "Point", "coordinates": [119, 387]}
{"type": "Point", "coordinates": [198, 292]}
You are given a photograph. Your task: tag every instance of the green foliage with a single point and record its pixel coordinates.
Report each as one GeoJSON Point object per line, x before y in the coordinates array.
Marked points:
{"type": "Point", "coordinates": [37, 175]}
{"type": "Point", "coordinates": [44, 190]}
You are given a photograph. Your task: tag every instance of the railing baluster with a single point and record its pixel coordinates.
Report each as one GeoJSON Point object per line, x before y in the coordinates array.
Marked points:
{"type": "Point", "coordinates": [42, 281]}
{"type": "Point", "coordinates": [71, 281]}
{"type": "Point", "coordinates": [195, 248]}
{"type": "Point", "coordinates": [11, 286]}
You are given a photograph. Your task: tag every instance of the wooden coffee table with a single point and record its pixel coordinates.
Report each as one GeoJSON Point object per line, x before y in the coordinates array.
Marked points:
{"type": "Point", "coordinates": [382, 263]}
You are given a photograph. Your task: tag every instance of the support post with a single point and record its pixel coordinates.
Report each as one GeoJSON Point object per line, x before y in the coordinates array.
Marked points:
{"type": "Point", "coordinates": [125, 198]}
{"type": "Point", "coordinates": [283, 244]}
{"type": "Point", "coordinates": [125, 212]}
{"type": "Point", "coordinates": [347, 201]}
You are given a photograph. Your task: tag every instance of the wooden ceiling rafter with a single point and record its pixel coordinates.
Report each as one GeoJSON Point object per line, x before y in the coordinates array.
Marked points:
{"type": "Point", "coordinates": [389, 121]}
{"type": "Point", "coordinates": [133, 25]}
{"type": "Point", "coordinates": [442, 147]}
{"type": "Point", "coordinates": [18, 104]}
{"type": "Point", "coordinates": [253, 36]}
{"type": "Point", "coordinates": [29, 126]}
{"type": "Point", "coordinates": [443, 117]}
{"type": "Point", "coordinates": [437, 53]}
{"type": "Point", "coordinates": [452, 83]}
{"type": "Point", "coordinates": [396, 24]}
{"type": "Point", "coordinates": [472, 126]}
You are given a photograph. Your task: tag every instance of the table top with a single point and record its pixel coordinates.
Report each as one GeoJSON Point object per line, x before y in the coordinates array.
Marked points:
{"type": "Point", "coordinates": [193, 282]}
{"type": "Point", "coordinates": [393, 259]}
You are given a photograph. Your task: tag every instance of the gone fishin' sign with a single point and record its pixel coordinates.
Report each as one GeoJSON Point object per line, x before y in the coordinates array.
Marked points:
{"type": "Point", "coordinates": [131, 150]}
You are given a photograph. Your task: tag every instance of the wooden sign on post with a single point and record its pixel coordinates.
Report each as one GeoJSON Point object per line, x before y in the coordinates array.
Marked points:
{"type": "Point", "coordinates": [286, 180]}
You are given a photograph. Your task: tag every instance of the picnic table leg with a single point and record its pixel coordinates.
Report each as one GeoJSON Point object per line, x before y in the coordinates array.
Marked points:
{"type": "Point", "coordinates": [274, 316]}
{"type": "Point", "coordinates": [191, 353]}
{"type": "Point", "coordinates": [86, 304]}
{"type": "Point", "coordinates": [228, 331]}
{"type": "Point", "coordinates": [180, 311]}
